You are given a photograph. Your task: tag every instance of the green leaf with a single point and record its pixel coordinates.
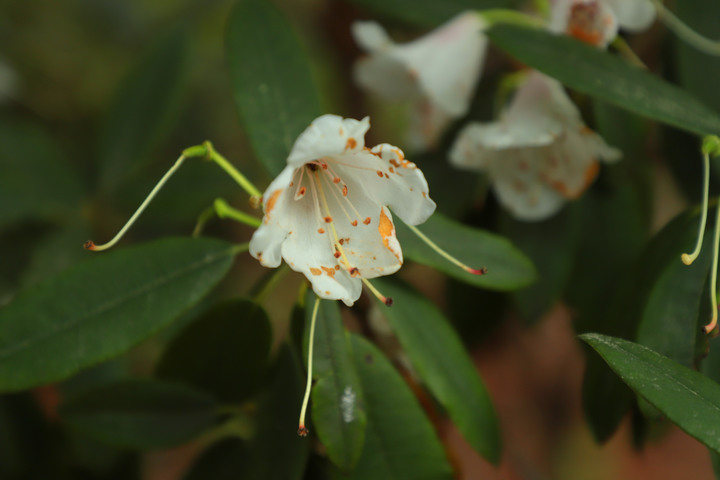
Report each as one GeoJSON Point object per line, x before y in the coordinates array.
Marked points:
{"type": "Point", "coordinates": [698, 70]}
{"type": "Point", "coordinates": [145, 107]}
{"type": "Point", "coordinates": [443, 365]}
{"type": "Point", "coordinates": [427, 13]}
{"type": "Point", "coordinates": [598, 73]}
{"type": "Point", "coordinates": [141, 414]}
{"type": "Point", "coordinates": [271, 80]}
{"type": "Point", "coordinates": [508, 268]}
{"type": "Point", "coordinates": [276, 452]}
{"type": "Point", "coordinates": [35, 178]}
{"type": "Point", "coordinates": [104, 306]}
{"type": "Point", "coordinates": [606, 400]}
{"type": "Point", "coordinates": [224, 352]}
{"type": "Point", "coordinates": [400, 442]}
{"type": "Point", "coordinates": [338, 407]}
{"type": "Point", "coordinates": [551, 244]}
{"type": "Point", "coordinates": [686, 397]}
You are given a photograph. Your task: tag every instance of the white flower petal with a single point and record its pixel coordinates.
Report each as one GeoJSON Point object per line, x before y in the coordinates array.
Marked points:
{"type": "Point", "coordinates": [521, 190]}
{"type": "Point", "coordinates": [633, 15]}
{"type": "Point", "coordinates": [539, 154]}
{"type": "Point", "coordinates": [327, 216]}
{"type": "Point", "coordinates": [265, 244]}
{"type": "Point", "coordinates": [592, 21]}
{"type": "Point", "coordinates": [387, 178]}
{"type": "Point", "coordinates": [326, 136]}
{"type": "Point", "coordinates": [448, 61]}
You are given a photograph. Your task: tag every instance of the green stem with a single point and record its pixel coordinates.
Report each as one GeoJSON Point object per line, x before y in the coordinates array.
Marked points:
{"type": "Point", "coordinates": [207, 150]}
{"type": "Point", "coordinates": [224, 210]}
{"type": "Point", "coordinates": [704, 44]}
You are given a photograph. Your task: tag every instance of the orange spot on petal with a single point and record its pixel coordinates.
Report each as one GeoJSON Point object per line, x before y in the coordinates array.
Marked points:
{"type": "Point", "coordinates": [367, 221]}
{"type": "Point", "coordinates": [315, 271]}
{"type": "Point", "coordinates": [351, 143]}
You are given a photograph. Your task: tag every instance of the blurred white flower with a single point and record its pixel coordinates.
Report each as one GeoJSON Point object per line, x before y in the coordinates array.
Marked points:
{"type": "Point", "coordinates": [539, 154]}
{"type": "Point", "coordinates": [9, 82]}
{"type": "Point", "coordinates": [597, 21]}
{"type": "Point", "coordinates": [326, 213]}
{"type": "Point", "coordinates": [437, 72]}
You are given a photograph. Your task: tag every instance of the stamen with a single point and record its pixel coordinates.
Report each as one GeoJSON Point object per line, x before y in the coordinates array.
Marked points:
{"type": "Point", "coordinates": [302, 430]}
{"type": "Point", "coordinates": [90, 245]}
{"type": "Point", "coordinates": [445, 255]}
{"type": "Point", "coordinates": [386, 300]}
{"type": "Point", "coordinates": [336, 239]}
{"type": "Point", "coordinates": [713, 278]}
{"type": "Point", "coordinates": [688, 259]}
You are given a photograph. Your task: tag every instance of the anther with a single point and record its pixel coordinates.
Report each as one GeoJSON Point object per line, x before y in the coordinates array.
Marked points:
{"type": "Point", "coordinates": [328, 219]}
{"type": "Point", "coordinates": [446, 255]}
{"type": "Point", "coordinates": [388, 301]}
{"type": "Point", "coordinates": [89, 245]}
{"type": "Point", "coordinates": [367, 221]}
{"type": "Point", "coordinates": [302, 431]}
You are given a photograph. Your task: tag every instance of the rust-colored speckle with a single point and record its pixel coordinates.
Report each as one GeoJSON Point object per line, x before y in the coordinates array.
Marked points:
{"type": "Point", "coordinates": [387, 176]}
{"type": "Point", "coordinates": [324, 165]}
{"type": "Point", "coordinates": [344, 191]}
{"type": "Point", "coordinates": [341, 241]}
{"type": "Point", "coordinates": [367, 221]}
{"type": "Point", "coordinates": [321, 230]}
{"type": "Point", "coordinates": [380, 173]}
{"type": "Point", "coordinates": [351, 143]}
{"type": "Point", "coordinates": [354, 223]}
{"type": "Point", "coordinates": [424, 194]}
{"type": "Point", "coordinates": [271, 203]}
{"type": "Point", "coordinates": [328, 219]}
{"type": "Point", "coordinates": [337, 254]}
{"type": "Point", "coordinates": [336, 180]}
{"type": "Point", "coordinates": [337, 267]}
{"type": "Point", "coordinates": [302, 191]}
{"type": "Point", "coordinates": [330, 272]}
{"type": "Point", "coordinates": [292, 183]}
{"type": "Point", "coordinates": [315, 271]}
{"type": "Point", "coordinates": [392, 170]}
{"type": "Point", "coordinates": [386, 229]}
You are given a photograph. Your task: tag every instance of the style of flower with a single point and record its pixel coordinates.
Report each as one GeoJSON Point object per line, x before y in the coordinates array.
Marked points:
{"type": "Point", "coordinates": [539, 154]}
{"type": "Point", "coordinates": [437, 72]}
{"type": "Point", "coordinates": [597, 21]}
{"type": "Point", "coordinates": [326, 213]}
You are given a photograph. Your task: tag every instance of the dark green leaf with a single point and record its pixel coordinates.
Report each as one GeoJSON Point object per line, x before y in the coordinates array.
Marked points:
{"type": "Point", "coordinates": [606, 400]}
{"type": "Point", "coordinates": [427, 13]}
{"type": "Point", "coordinates": [221, 461]}
{"type": "Point", "coordinates": [271, 79]}
{"type": "Point", "coordinates": [444, 366]}
{"type": "Point", "coordinates": [400, 442]}
{"type": "Point", "coordinates": [598, 73]}
{"type": "Point", "coordinates": [508, 268]}
{"type": "Point", "coordinates": [104, 306]}
{"type": "Point", "coordinates": [224, 352]}
{"type": "Point", "coordinates": [141, 414]}
{"type": "Point", "coordinates": [686, 397]}
{"type": "Point", "coordinates": [338, 407]}
{"type": "Point", "coordinates": [276, 452]}
{"type": "Point", "coordinates": [551, 244]}
{"type": "Point", "coordinates": [145, 107]}
{"type": "Point", "coordinates": [35, 178]}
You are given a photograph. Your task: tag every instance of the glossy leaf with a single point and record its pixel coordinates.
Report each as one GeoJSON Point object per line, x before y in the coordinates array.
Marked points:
{"type": "Point", "coordinates": [224, 352]}
{"type": "Point", "coordinates": [36, 180]}
{"type": "Point", "coordinates": [508, 268]}
{"type": "Point", "coordinates": [400, 441]}
{"type": "Point", "coordinates": [145, 107]}
{"type": "Point", "coordinates": [141, 413]}
{"type": "Point", "coordinates": [427, 13]}
{"type": "Point", "coordinates": [338, 407]}
{"type": "Point", "coordinates": [104, 306]}
{"type": "Point", "coordinates": [606, 400]}
{"type": "Point", "coordinates": [686, 397]}
{"type": "Point", "coordinates": [271, 80]}
{"type": "Point", "coordinates": [598, 73]}
{"type": "Point", "coordinates": [276, 451]}
{"type": "Point", "coordinates": [444, 366]}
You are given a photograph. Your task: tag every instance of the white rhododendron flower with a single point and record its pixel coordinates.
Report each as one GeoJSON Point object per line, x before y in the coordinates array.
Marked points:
{"type": "Point", "coordinates": [539, 155]}
{"type": "Point", "coordinates": [326, 213]}
{"type": "Point", "coordinates": [437, 72]}
{"type": "Point", "coordinates": [597, 21]}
